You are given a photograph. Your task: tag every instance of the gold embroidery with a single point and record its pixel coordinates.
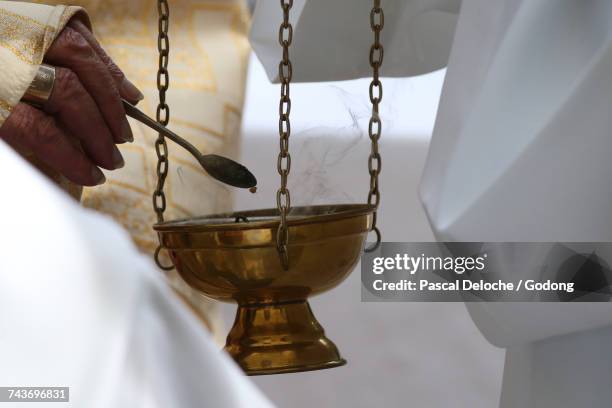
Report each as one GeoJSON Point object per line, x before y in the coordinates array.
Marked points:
{"type": "Point", "coordinates": [67, 14]}
{"type": "Point", "coordinates": [145, 245]}
{"type": "Point", "coordinates": [128, 31]}
{"type": "Point", "coordinates": [196, 126]}
{"type": "Point", "coordinates": [23, 36]}
{"type": "Point", "coordinates": [27, 38]}
{"type": "Point", "coordinates": [5, 106]}
{"type": "Point", "coordinates": [129, 187]}
{"type": "Point", "coordinates": [25, 19]}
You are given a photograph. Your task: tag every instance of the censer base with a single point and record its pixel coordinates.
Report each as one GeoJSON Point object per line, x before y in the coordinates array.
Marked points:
{"type": "Point", "coordinates": [280, 338]}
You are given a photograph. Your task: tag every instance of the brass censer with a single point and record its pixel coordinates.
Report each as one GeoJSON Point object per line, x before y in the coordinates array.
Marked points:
{"type": "Point", "coordinates": [270, 261]}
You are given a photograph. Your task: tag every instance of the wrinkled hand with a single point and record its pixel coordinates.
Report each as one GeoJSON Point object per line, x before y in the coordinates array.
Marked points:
{"type": "Point", "coordinates": [75, 132]}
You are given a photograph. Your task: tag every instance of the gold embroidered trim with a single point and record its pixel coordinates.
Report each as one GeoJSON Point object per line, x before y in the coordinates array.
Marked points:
{"type": "Point", "coordinates": [25, 19]}
{"type": "Point", "coordinates": [22, 36]}
{"type": "Point", "coordinates": [68, 13]}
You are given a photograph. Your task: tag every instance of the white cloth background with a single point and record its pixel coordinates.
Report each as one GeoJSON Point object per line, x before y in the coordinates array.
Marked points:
{"type": "Point", "coordinates": [522, 143]}
{"type": "Point", "coordinates": [80, 307]}
{"type": "Point", "coordinates": [332, 39]}
{"type": "Point", "coordinates": [520, 152]}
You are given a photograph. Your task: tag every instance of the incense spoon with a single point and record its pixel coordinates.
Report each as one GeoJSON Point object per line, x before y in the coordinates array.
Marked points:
{"type": "Point", "coordinates": [218, 167]}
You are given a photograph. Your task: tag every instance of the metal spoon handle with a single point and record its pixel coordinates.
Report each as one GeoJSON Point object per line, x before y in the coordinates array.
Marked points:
{"type": "Point", "coordinates": [220, 168]}
{"type": "Point", "coordinates": [140, 116]}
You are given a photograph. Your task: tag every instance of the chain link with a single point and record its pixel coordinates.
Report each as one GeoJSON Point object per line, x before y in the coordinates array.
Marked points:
{"type": "Point", "coordinates": [377, 22]}
{"type": "Point", "coordinates": [285, 72]}
{"type": "Point", "coordinates": [163, 117]}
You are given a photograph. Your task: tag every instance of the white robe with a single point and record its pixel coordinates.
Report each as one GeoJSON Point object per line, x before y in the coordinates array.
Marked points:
{"type": "Point", "coordinates": [80, 307]}
{"type": "Point", "coordinates": [520, 152]}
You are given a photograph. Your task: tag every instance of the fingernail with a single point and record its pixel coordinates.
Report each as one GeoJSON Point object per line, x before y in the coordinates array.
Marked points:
{"type": "Point", "coordinates": [126, 132]}
{"type": "Point", "coordinates": [98, 176]}
{"type": "Point", "coordinates": [118, 159]}
{"type": "Point", "coordinates": [129, 90]}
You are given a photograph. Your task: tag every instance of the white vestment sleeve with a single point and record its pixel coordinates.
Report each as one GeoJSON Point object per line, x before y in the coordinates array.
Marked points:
{"type": "Point", "coordinates": [332, 39]}
{"type": "Point", "coordinates": [81, 308]}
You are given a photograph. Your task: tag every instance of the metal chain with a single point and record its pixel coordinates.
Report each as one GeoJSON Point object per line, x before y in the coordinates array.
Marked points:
{"type": "Point", "coordinates": [377, 22]}
{"type": "Point", "coordinates": [163, 117]}
{"type": "Point", "coordinates": [285, 72]}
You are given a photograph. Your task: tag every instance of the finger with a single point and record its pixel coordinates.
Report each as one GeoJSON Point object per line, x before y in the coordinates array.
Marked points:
{"type": "Point", "coordinates": [72, 51]}
{"type": "Point", "coordinates": [31, 128]}
{"type": "Point", "coordinates": [78, 112]}
{"type": "Point", "coordinates": [126, 88]}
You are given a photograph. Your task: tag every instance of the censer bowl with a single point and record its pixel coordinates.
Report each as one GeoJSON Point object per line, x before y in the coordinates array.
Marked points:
{"type": "Point", "coordinates": [233, 258]}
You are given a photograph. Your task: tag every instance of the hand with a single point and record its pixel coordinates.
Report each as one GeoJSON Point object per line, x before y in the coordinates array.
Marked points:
{"type": "Point", "coordinates": [75, 132]}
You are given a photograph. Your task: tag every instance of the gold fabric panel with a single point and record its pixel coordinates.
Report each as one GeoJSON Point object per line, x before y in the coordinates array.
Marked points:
{"type": "Point", "coordinates": [208, 62]}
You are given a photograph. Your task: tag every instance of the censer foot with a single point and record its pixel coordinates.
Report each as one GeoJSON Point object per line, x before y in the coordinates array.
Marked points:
{"type": "Point", "coordinates": [280, 338]}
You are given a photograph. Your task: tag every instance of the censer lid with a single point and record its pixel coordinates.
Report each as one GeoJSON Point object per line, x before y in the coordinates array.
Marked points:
{"type": "Point", "coordinates": [265, 218]}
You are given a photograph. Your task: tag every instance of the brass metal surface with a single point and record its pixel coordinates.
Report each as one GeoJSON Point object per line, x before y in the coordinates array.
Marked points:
{"type": "Point", "coordinates": [233, 258]}
{"type": "Point", "coordinates": [280, 338]}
